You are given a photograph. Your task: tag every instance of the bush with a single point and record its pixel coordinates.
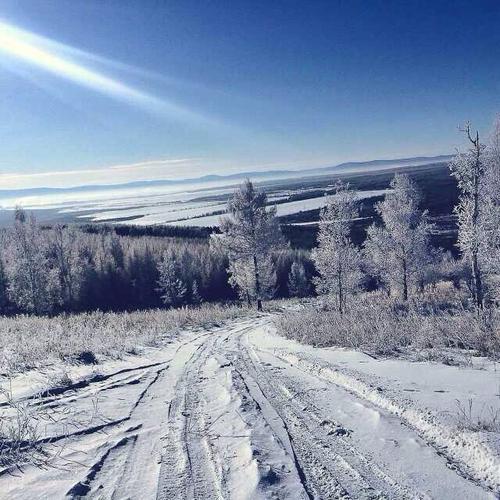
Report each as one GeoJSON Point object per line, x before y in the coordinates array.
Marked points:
{"type": "Point", "coordinates": [380, 326]}
{"type": "Point", "coordinates": [30, 341]}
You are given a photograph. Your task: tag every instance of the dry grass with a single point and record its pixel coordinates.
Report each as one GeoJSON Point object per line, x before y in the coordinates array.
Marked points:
{"type": "Point", "coordinates": [485, 418]}
{"type": "Point", "coordinates": [379, 326]}
{"type": "Point", "coordinates": [28, 342]}
{"type": "Point", "coordinates": [19, 433]}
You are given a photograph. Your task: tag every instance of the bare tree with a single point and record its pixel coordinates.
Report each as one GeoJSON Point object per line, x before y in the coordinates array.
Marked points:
{"type": "Point", "coordinates": [336, 258]}
{"type": "Point", "coordinates": [478, 209]}
{"type": "Point", "coordinates": [398, 251]}
{"type": "Point", "coordinates": [33, 283]}
{"type": "Point", "coordinates": [64, 246]}
{"type": "Point", "coordinates": [249, 235]}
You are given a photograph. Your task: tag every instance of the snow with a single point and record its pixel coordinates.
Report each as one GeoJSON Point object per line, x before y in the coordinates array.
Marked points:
{"type": "Point", "coordinates": [282, 209]}
{"type": "Point", "coordinates": [239, 412]}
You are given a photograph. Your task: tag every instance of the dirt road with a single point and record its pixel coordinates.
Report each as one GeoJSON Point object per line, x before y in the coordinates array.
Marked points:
{"type": "Point", "coordinates": [231, 413]}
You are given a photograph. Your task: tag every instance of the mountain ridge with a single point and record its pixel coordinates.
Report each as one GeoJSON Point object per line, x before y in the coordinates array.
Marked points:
{"type": "Point", "coordinates": [341, 167]}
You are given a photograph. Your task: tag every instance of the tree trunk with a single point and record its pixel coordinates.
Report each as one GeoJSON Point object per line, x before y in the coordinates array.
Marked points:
{"type": "Point", "coordinates": [257, 283]}
{"type": "Point", "coordinates": [341, 294]}
{"type": "Point", "coordinates": [478, 282]}
{"type": "Point", "coordinates": [405, 281]}
{"type": "Point", "coordinates": [476, 271]}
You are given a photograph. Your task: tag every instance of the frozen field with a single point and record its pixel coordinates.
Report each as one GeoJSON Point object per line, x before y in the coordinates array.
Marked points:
{"type": "Point", "coordinates": [282, 209]}
{"type": "Point", "coordinates": [238, 412]}
{"type": "Point", "coordinates": [153, 206]}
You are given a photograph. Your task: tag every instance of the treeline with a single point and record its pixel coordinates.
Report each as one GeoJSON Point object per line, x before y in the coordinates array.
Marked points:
{"type": "Point", "coordinates": [48, 270]}
{"type": "Point", "coordinates": [396, 255]}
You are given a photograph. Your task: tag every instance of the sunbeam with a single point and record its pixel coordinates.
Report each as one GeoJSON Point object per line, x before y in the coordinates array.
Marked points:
{"type": "Point", "coordinates": [43, 53]}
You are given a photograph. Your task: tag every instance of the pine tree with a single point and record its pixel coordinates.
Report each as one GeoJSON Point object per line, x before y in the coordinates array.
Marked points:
{"type": "Point", "coordinates": [398, 251]}
{"type": "Point", "coordinates": [298, 284]}
{"type": "Point", "coordinates": [249, 236]}
{"type": "Point", "coordinates": [195, 294]}
{"type": "Point", "coordinates": [172, 288]}
{"type": "Point", "coordinates": [336, 258]}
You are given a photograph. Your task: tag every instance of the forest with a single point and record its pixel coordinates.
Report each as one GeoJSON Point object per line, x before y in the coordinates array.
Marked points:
{"type": "Point", "coordinates": [71, 268]}
{"type": "Point", "coordinates": [76, 268]}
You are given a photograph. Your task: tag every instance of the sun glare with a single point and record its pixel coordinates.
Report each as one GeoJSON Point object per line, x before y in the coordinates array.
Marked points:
{"type": "Point", "coordinates": [42, 53]}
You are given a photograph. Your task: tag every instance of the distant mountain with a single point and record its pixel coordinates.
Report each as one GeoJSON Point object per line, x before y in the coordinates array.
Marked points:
{"type": "Point", "coordinates": [276, 174]}
{"type": "Point", "coordinates": [401, 162]}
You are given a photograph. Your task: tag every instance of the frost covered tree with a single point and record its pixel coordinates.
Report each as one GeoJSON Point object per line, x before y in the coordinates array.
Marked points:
{"type": "Point", "coordinates": [172, 288]}
{"type": "Point", "coordinates": [3, 287]}
{"type": "Point", "coordinates": [65, 251]}
{"type": "Point", "coordinates": [249, 236]}
{"type": "Point", "coordinates": [195, 294]}
{"type": "Point", "coordinates": [478, 210]}
{"type": "Point", "coordinates": [33, 282]}
{"type": "Point", "coordinates": [398, 251]}
{"type": "Point", "coordinates": [336, 258]}
{"type": "Point", "coordinates": [298, 284]}
{"type": "Point", "coordinates": [242, 278]}
{"type": "Point", "coordinates": [493, 212]}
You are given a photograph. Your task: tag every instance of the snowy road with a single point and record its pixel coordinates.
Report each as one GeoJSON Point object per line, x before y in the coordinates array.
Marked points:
{"type": "Point", "coordinates": [239, 413]}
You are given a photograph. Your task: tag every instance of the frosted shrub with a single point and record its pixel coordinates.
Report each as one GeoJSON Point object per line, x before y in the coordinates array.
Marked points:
{"type": "Point", "coordinates": [30, 341]}
{"type": "Point", "coordinates": [377, 325]}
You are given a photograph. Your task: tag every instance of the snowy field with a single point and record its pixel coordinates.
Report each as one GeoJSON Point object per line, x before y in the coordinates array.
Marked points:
{"type": "Point", "coordinates": [190, 205]}
{"type": "Point", "coordinates": [282, 209]}
{"type": "Point", "coordinates": [238, 412]}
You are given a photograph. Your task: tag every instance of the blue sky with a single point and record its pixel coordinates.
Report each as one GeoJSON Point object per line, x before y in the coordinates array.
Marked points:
{"type": "Point", "coordinates": [116, 90]}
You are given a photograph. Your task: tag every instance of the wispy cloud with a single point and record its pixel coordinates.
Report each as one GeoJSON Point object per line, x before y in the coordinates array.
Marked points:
{"type": "Point", "coordinates": [169, 168]}
{"type": "Point", "coordinates": [66, 62]}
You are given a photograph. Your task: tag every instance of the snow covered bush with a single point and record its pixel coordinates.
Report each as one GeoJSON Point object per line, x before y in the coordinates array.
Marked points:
{"type": "Point", "coordinates": [30, 341]}
{"type": "Point", "coordinates": [381, 326]}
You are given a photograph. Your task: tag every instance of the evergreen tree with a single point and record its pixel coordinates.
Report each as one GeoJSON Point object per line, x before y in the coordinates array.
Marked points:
{"type": "Point", "coordinates": [249, 236]}
{"type": "Point", "coordinates": [298, 284]}
{"type": "Point", "coordinates": [172, 288]}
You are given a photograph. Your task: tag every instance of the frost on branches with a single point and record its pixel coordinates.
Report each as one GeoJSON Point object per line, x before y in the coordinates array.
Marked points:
{"type": "Point", "coordinates": [172, 288]}
{"type": "Point", "coordinates": [478, 212]}
{"type": "Point", "coordinates": [298, 282]}
{"type": "Point", "coordinates": [249, 236]}
{"type": "Point", "coordinates": [398, 251]}
{"type": "Point", "coordinates": [336, 258]}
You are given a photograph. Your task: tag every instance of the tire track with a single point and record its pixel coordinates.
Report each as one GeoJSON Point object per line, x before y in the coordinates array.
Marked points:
{"type": "Point", "coordinates": [330, 465]}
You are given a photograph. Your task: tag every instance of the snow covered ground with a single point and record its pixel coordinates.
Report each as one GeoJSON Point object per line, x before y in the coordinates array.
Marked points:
{"type": "Point", "coordinates": [238, 412]}
{"type": "Point", "coordinates": [282, 209]}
